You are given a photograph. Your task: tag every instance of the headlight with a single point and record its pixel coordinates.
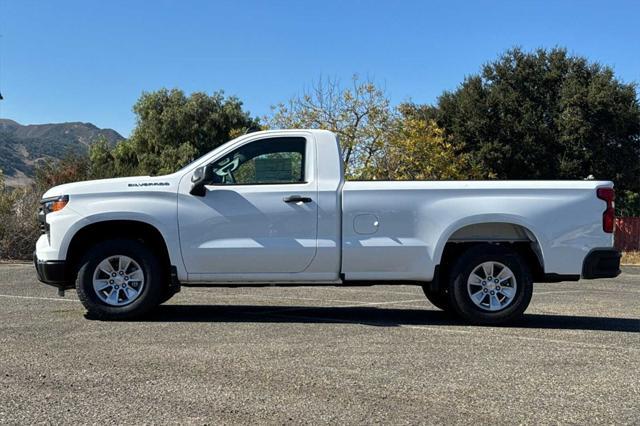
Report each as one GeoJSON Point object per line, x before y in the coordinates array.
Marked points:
{"type": "Point", "coordinates": [54, 204]}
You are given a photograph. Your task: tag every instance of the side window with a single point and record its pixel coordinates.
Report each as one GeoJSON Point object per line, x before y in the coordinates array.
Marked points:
{"type": "Point", "coordinates": [266, 161]}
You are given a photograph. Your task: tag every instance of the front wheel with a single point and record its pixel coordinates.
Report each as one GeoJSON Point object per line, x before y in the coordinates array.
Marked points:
{"type": "Point", "coordinates": [490, 284]}
{"type": "Point", "coordinates": [120, 279]}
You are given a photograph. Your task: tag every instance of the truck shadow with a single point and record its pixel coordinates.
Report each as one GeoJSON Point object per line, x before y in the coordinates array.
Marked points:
{"type": "Point", "coordinates": [371, 316]}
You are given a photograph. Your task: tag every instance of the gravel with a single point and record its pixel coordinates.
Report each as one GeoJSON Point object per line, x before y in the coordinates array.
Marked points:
{"type": "Point", "coordinates": [320, 355]}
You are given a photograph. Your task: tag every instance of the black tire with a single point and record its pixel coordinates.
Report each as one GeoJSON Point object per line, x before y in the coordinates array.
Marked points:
{"type": "Point", "coordinates": [439, 299]}
{"type": "Point", "coordinates": [460, 298]}
{"type": "Point", "coordinates": [155, 280]}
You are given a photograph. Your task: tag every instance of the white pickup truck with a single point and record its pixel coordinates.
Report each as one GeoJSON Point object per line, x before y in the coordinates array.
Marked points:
{"type": "Point", "coordinates": [273, 208]}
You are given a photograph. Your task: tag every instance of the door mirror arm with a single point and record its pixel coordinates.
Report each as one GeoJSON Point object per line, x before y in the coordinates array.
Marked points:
{"type": "Point", "coordinates": [201, 177]}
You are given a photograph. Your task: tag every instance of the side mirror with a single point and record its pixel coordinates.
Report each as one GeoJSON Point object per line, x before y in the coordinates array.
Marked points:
{"type": "Point", "coordinates": [201, 176]}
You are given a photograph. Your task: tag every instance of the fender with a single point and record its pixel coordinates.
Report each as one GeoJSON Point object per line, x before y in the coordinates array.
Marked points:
{"type": "Point", "coordinates": [169, 233]}
{"type": "Point", "coordinates": [538, 235]}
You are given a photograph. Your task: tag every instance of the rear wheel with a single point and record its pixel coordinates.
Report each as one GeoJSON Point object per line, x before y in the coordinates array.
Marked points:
{"type": "Point", "coordinates": [120, 279]}
{"type": "Point", "coordinates": [490, 284]}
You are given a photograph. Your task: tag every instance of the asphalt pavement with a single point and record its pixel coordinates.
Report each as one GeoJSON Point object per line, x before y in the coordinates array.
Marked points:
{"type": "Point", "coordinates": [361, 355]}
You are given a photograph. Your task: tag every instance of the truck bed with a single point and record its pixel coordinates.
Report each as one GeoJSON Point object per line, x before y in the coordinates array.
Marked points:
{"type": "Point", "coordinates": [393, 229]}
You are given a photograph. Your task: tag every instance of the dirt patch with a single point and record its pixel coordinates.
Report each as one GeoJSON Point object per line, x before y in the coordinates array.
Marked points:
{"type": "Point", "coordinates": [630, 258]}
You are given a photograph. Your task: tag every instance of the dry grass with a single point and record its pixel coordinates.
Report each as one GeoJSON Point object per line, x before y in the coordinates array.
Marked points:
{"type": "Point", "coordinates": [630, 258]}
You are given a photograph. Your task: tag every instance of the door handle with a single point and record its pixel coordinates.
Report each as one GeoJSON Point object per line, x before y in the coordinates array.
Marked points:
{"type": "Point", "coordinates": [296, 199]}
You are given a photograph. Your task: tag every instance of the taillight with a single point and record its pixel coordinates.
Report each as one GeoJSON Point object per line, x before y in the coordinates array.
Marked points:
{"type": "Point", "coordinates": [609, 215]}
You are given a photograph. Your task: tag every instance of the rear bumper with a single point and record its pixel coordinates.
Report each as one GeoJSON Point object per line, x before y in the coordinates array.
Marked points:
{"type": "Point", "coordinates": [53, 272]}
{"type": "Point", "coordinates": [601, 263]}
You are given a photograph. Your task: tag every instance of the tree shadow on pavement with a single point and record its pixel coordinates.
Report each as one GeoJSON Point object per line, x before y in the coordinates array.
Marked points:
{"type": "Point", "coordinates": [380, 317]}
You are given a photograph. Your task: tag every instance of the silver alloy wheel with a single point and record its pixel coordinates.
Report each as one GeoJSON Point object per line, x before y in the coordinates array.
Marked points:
{"type": "Point", "coordinates": [492, 286]}
{"type": "Point", "coordinates": [118, 280]}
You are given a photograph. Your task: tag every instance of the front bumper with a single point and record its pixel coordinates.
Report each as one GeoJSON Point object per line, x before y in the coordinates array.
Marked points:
{"type": "Point", "coordinates": [53, 272]}
{"type": "Point", "coordinates": [601, 263]}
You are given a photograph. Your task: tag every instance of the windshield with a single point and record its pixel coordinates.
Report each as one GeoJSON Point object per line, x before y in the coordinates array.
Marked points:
{"type": "Point", "coordinates": [199, 159]}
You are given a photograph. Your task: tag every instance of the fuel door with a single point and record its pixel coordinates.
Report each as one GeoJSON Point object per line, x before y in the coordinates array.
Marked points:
{"type": "Point", "coordinates": [366, 224]}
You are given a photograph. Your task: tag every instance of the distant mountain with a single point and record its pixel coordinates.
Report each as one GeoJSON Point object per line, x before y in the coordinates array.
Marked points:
{"type": "Point", "coordinates": [21, 147]}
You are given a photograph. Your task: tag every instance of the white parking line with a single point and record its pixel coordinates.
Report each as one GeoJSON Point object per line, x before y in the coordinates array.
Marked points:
{"type": "Point", "coordinates": [39, 298]}
{"type": "Point", "coordinates": [584, 291]}
{"type": "Point", "coordinates": [350, 303]}
{"type": "Point", "coordinates": [354, 305]}
{"type": "Point", "coordinates": [365, 289]}
{"type": "Point", "coordinates": [511, 336]}
{"type": "Point", "coordinates": [393, 302]}
{"type": "Point", "coordinates": [441, 329]}
{"type": "Point", "coordinates": [309, 299]}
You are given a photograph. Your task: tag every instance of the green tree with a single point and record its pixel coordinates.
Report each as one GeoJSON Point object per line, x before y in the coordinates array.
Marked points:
{"type": "Point", "coordinates": [101, 161]}
{"type": "Point", "coordinates": [360, 115]}
{"type": "Point", "coordinates": [73, 167]}
{"type": "Point", "coordinates": [171, 130]}
{"type": "Point", "coordinates": [417, 149]}
{"type": "Point", "coordinates": [545, 115]}
{"type": "Point", "coordinates": [19, 228]}
{"type": "Point", "coordinates": [627, 203]}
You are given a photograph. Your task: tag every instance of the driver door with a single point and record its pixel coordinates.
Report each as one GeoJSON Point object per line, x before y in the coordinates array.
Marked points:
{"type": "Point", "coordinates": [258, 216]}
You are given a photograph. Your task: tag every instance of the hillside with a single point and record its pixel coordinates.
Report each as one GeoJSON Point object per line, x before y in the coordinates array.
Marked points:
{"type": "Point", "coordinates": [22, 146]}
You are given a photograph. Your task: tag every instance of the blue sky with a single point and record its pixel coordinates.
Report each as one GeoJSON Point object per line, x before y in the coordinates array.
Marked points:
{"type": "Point", "coordinates": [90, 60]}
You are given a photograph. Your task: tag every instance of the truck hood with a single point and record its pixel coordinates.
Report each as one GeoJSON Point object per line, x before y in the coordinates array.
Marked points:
{"type": "Point", "coordinates": [117, 185]}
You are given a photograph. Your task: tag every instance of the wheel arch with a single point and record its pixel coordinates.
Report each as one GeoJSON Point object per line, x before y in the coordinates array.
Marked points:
{"type": "Point", "coordinates": [102, 230]}
{"type": "Point", "coordinates": [512, 230]}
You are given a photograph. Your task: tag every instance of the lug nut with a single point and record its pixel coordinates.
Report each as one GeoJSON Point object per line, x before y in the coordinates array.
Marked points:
{"type": "Point", "coordinates": [485, 290]}
{"type": "Point", "coordinates": [495, 281]}
{"type": "Point", "coordinates": [110, 281]}
{"type": "Point", "coordinates": [484, 283]}
{"type": "Point", "coordinates": [121, 273]}
{"type": "Point", "coordinates": [492, 292]}
{"type": "Point", "coordinates": [126, 278]}
{"type": "Point", "coordinates": [498, 287]}
{"type": "Point", "coordinates": [113, 274]}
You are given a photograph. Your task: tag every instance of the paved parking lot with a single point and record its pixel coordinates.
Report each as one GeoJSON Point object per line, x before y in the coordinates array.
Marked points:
{"type": "Point", "coordinates": [309, 355]}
